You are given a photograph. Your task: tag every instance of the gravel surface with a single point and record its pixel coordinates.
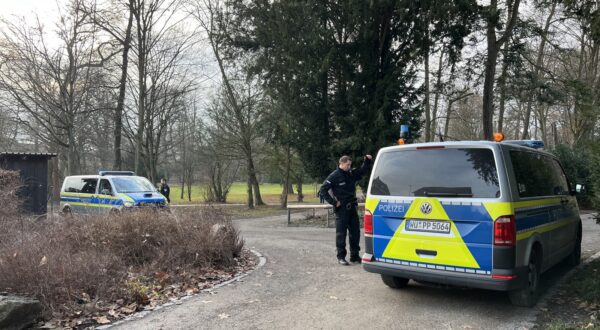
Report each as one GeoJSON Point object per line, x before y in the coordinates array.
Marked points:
{"type": "Point", "coordinates": [301, 286]}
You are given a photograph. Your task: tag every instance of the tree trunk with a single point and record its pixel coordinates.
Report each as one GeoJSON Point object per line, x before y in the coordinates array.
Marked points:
{"type": "Point", "coordinates": [249, 191]}
{"type": "Point", "coordinates": [493, 45]}
{"type": "Point", "coordinates": [502, 83]}
{"type": "Point", "coordinates": [536, 70]}
{"type": "Point", "coordinates": [182, 186]}
{"type": "Point", "coordinates": [438, 91]}
{"type": "Point", "coordinates": [141, 51]}
{"type": "Point", "coordinates": [286, 182]}
{"type": "Point", "coordinates": [427, 105]}
{"type": "Point", "coordinates": [488, 85]}
{"type": "Point", "coordinates": [300, 197]}
{"type": "Point", "coordinates": [257, 197]}
{"type": "Point", "coordinates": [118, 115]}
{"type": "Point", "coordinates": [448, 113]}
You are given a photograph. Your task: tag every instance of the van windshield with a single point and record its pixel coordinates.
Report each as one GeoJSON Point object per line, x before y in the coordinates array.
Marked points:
{"type": "Point", "coordinates": [448, 172]}
{"type": "Point", "coordinates": [132, 184]}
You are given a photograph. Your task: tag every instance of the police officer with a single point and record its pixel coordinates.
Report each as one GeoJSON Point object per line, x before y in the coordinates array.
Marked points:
{"type": "Point", "coordinates": [165, 190]}
{"type": "Point", "coordinates": [339, 190]}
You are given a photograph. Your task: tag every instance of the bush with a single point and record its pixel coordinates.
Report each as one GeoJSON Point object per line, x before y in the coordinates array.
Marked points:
{"type": "Point", "coordinates": [64, 260]}
{"type": "Point", "coordinates": [578, 163]}
{"type": "Point", "coordinates": [10, 183]}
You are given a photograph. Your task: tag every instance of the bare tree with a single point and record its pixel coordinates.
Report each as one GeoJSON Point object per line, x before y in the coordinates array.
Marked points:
{"type": "Point", "coordinates": [162, 83]}
{"type": "Point", "coordinates": [51, 85]}
{"type": "Point", "coordinates": [241, 108]}
{"type": "Point", "coordinates": [110, 21]}
{"type": "Point", "coordinates": [492, 16]}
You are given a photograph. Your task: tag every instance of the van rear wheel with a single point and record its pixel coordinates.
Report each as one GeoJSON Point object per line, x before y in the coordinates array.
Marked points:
{"type": "Point", "coordinates": [394, 282]}
{"type": "Point", "coordinates": [528, 296]}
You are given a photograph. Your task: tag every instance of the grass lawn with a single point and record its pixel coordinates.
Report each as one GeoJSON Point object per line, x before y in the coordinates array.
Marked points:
{"type": "Point", "coordinates": [270, 193]}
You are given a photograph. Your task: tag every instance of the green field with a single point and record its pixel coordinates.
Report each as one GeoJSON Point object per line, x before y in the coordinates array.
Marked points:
{"type": "Point", "coordinates": [270, 193]}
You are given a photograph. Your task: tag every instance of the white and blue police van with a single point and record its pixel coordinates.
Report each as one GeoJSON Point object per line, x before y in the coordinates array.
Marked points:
{"type": "Point", "coordinates": [481, 214]}
{"type": "Point", "coordinates": [109, 192]}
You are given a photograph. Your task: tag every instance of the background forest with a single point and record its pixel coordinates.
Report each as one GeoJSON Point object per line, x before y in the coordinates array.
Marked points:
{"type": "Point", "coordinates": [209, 92]}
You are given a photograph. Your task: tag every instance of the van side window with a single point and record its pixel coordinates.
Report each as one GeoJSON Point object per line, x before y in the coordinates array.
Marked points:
{"type": "Point", "coordinates": [537, 175]}
{"type": "Point", "coordinates": [561, 183]}
{"type": "Point", "coordinates": [105, 188]}
{"type": "Point", "coordinates": [73, 185]}
{"type": "Point", "coordinates": [89, 186]}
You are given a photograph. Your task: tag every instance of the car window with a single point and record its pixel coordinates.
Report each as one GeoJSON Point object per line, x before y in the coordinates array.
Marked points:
{"type": "Point", "coordinates": [448, 172]}
{"type": "Point", "coordinates": [89, 186]}
{"type": "Point", "coordinates": [537, 174]}
{"type": "Point", "coordinates": [132, 184]}
{"type": "Point", "coordinates": [561, 184]}
{"type": "Point", "coordinates": [73, 185]}
{"type": "Point", "coordinates": [105, 187]}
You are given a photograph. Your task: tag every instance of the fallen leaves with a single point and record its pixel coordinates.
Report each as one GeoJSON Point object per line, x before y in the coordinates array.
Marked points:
{"type": "Point", "coordinates": [162, 287]}
{"type": "Point", "coordinates": [102, 320]}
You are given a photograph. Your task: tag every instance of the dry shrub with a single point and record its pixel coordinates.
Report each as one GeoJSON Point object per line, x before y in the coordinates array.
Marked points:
{"type": "Point", "coordinates": [10, 182]}
{"type": "Point", "coordinates": [61, 261]}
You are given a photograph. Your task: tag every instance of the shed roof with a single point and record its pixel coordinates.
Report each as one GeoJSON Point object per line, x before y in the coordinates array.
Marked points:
{"type": "Point", "coordinates": [36, 154]}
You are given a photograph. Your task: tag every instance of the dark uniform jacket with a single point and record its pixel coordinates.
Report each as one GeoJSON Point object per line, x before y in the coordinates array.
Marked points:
{"type": "Point", "coordinates": [343, 184]}
{"type": "Point", "coordinates": [165, 190]}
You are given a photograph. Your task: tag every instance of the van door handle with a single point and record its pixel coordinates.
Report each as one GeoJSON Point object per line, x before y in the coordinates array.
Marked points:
{"type": "Point", "coordinates": [429, 253]}
{"type": "Point", "coordinates": [564, 201]}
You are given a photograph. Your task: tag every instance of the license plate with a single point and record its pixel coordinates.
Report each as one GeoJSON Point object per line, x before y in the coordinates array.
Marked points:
{"type": "Point", "coordinates": [431, 226]}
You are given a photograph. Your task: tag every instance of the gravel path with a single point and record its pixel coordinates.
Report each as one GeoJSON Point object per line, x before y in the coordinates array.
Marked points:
{"type": "Point", "coordinates": [301, 286]}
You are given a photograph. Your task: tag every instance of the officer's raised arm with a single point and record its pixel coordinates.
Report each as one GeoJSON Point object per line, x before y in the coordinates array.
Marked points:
{"type": "Point", "coordinates": [366, 167]}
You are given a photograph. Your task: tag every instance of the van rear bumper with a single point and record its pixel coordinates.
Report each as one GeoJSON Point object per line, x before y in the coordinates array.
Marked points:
{"type": "Point", "coordinates": [451, 278]}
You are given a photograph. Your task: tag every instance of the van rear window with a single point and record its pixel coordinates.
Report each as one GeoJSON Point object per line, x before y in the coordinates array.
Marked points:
{"type": "Point", "coordinates": [448, 172]}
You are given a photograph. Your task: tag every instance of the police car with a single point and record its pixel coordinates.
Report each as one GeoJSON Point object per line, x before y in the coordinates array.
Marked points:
{"type": "Point", "coordinates": [109, 191]}
{"type": "Point", "coordinates": [482, 214]}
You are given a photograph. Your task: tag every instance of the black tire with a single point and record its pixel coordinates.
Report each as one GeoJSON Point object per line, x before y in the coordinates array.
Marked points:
{"type": "Point", "coordinates": [574, 259]}
{"type": "Point", "coordinates": [528, 295]}
{"type": "Point", "coordinates": [394, 282]}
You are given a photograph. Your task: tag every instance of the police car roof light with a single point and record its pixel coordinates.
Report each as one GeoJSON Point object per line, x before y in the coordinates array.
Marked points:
{"type": "Point", "coordinates": [128, 173]}
{"type": "Point", "coordinates": [535, 144]}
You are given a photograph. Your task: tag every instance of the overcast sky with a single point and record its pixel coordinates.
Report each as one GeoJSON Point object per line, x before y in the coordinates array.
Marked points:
{"type": "Point", "coordinates": [47, 9]}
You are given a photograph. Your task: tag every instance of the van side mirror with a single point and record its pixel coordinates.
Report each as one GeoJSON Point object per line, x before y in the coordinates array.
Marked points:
{"type": "Point", "coordinates": [105, 192]}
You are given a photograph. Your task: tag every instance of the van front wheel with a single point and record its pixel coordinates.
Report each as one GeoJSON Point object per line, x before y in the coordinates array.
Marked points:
{"type": "Point", "coordinates": [528, 296]}
{"type": "Point", "coordinates": [394, 282]}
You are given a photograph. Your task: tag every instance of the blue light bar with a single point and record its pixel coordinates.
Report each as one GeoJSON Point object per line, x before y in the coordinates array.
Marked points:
{"type": "Point", "coordinates": [535, 144]}
{"type": "Point", "coordinates": [128, 173]}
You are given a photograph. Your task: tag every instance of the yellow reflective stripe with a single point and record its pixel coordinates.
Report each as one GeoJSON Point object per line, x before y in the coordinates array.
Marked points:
{"type": "Point", "coordinates": [451, 250]}
{"type": "Point", "coordinates": [127, 198]}
{"type": "Point", "coordinates": [109, 197]}
{"type": "Point", "coordinates": [69, 194]}
{"type": "Point", "coordinates": [536, 202]}
{"type": "Point", "coordinates": [542, 229]}
{"type": "Point", "coordinates": [498, 209]}
{"type": "Point", "coordinates": [92, 205]}
{"type": "Point", "coordinates": [371, 204]}
{"type": "Point", "coordinates": [89, 196]}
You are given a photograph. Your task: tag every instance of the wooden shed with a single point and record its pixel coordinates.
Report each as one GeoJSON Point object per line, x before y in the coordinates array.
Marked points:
{"type": "Point", "coordinates": [33, 169]}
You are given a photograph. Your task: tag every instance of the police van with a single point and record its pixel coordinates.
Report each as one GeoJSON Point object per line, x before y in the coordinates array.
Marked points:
{"type": "Point", "coordinates": [490, 215]}
{"type": "Point", "coordinates": [109, 192]}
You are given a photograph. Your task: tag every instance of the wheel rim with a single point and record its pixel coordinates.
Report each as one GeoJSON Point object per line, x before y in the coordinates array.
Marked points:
{"type": "Point", "coordinates": [533, 279]}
